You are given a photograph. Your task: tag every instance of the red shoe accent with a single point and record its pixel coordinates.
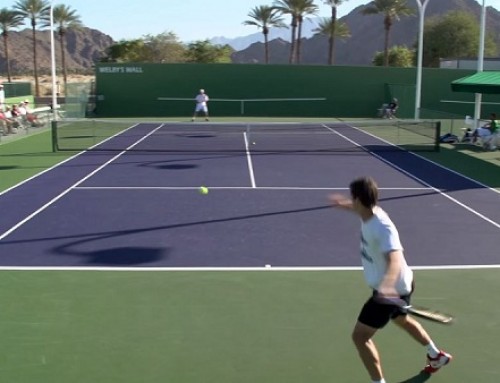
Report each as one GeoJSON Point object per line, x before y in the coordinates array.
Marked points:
{"type": "Point", "coordinates": [434, 364]}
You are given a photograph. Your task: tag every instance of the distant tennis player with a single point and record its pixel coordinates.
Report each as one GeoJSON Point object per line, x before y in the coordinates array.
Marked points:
{"type": "Point", "coordinates": [201, 105]}
{"type": "Point", "coordinates": [388, 275]}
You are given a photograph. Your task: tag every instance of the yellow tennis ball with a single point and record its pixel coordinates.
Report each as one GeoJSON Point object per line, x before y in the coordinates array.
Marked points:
{"type": "Point", "coordinates": [203, 190]}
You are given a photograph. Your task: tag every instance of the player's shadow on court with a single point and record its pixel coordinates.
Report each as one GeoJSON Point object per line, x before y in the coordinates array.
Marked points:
{"type": "Point", "coordinates": [176, 166]}
{"type": "Point", "coordinates": [187, 163]}
{"type": "Point", "coordinates": [419, 378]}
{"type": "Point", "coordinates": [125, 256]}
{"type": "Point", "coordinates": [115, 256]}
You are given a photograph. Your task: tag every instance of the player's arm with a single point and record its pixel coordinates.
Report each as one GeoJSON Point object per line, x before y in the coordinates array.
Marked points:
{"type": "Point", "coordinates": [388, 285]}
{"type": "Point", "coordinates": [339, 200]}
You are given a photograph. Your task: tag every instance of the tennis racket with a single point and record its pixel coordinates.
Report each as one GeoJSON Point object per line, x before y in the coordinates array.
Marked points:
{"type": "Point", "coordinates": [418, 311]}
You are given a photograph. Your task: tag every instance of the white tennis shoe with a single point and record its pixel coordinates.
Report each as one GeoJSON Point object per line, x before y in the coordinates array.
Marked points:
{"type": "Point", "coordinates": [434, 364]}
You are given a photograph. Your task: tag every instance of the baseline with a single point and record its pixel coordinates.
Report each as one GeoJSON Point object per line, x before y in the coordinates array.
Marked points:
{"type": "Point", "coordinates": [266, 268]}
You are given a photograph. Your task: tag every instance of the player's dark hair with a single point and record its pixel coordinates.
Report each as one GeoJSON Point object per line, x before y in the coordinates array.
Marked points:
{"type": "Point", "coordinates": [366, 190]}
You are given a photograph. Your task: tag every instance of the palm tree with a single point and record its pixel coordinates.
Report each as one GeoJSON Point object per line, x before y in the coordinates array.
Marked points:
{"type": "Point", "coordinates": [332, 29]}
{"type": "Point", "coordinates": [265, 17]}
{"type": "Point", "coordinates": [34, 10]}
{"type": "Point", "coordinates": [8, 20]}
{"type": "Point", "coordinates": [304, 7]}
{"type": "Point", "coordinates": [392, 10]}
{"type": "Point", "coordinates": [64, 18]}
{"type": "Point", "coordinates": [297, 9]}
{"type": "Point", "coordinates": [289, 7]}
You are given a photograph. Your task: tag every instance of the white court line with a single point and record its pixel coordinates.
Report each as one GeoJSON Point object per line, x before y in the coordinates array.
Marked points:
{"type": "Point", "coordinates": [38, 211]}
{"type": "Point", "coordinates": [243, 269]}
{"type": "Point", "coordinates": [249, 160]}
{"type": "Point", "coordinates": [233, 269]}
{"type": "Point", "coordinates": [63, 162]}
{"type": "Point", "coordinates": [229, 188]}
{"type": "Point", "coordinates": [432, 162]}
{"type": "Point", "coordinates": [454, 200]}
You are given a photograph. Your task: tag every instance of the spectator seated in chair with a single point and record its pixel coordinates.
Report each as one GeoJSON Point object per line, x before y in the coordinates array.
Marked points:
{"type": "Point", "coordinates": [33, 120]}
{"type": "Point", "coordinates": [7, 124]}
{"type": "Point", "coordinates": [487, 134]}
{"type": "Point", "coordinates": [30, 118]}
{"type": "Point", "coordinates": [390, 110]}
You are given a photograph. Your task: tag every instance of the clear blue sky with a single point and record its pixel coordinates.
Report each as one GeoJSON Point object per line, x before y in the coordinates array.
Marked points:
{"type": "Point", "coordinates": [188, 19]}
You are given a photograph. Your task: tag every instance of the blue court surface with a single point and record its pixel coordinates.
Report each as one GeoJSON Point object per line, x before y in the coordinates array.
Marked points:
{"type": "Point", "coordinates": [115, 267]}
{"type": "Point", "coordinates": [129, 203]}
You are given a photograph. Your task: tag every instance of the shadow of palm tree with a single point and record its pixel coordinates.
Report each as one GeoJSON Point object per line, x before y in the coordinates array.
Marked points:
{"type": "Point", "coordinates": [419, 378]}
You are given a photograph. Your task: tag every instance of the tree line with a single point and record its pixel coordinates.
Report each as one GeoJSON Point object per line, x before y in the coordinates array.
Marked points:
{"type": "Point", "coordinates": [161, 48]}
{"type": "Point", "coordinates": [454, 35]}
{"type": "Point", "coordinates": [36, 13]}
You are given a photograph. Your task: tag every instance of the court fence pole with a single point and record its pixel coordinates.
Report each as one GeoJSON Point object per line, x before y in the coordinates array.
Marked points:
{"type": "Point", "coordinates": [53, 63]}
{"type": "Point", "coordinates": [53, 130]}
{"type": "Point", "coordinates": [480, 60]}
{"type": "Point", "coordinates": [422, 4]}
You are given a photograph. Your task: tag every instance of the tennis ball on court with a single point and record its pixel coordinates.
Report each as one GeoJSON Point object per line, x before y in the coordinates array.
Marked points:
{"type": "Point", "coordinates": [203, 190]}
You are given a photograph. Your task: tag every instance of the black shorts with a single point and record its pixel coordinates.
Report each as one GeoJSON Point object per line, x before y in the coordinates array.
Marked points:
{"type": "Point", "coordinates": [377, 315]}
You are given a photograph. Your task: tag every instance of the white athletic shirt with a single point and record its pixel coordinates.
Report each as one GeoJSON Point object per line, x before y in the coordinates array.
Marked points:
{"type": "Point", "coordinates": [202, 99]}
{"type": "Point", "coordinates": [378, 237]}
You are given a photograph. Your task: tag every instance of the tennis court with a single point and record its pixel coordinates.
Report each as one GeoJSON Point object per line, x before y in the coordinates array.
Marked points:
{"type": "Point", "coordinates": [117, 269]}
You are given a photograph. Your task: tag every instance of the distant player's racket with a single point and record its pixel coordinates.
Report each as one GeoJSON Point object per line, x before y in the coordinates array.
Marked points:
{"type": "Point", "coordinates": [421, 312]}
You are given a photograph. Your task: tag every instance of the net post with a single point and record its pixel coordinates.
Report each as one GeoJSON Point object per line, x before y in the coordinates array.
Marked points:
{"type": "Point", "coordinates": [53, 129]}
{"type": "Point", "coordinates": [437, 139]}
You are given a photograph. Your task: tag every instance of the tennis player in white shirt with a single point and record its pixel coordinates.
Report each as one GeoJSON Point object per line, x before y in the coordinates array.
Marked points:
{"type": "Point", "coordinates": [201, 105]}
{"type": "Point", "coordinates": [388, 275]}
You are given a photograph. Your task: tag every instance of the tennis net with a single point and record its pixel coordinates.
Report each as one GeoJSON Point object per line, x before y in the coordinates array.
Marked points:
{"type": "Point", "coordinates": [316, 137]}
{"type": "Point", "coordinates": [308, 106]}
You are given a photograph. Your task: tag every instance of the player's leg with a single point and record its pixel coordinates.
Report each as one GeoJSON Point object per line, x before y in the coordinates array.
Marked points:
{"type": "Point", "coordinates": [196, 110]}
{"type": "Point", "coordinates": [362, 337]}
{"type": "Point", "coordinates": [373, 316]}
{"type": "Point", "coordinates": [413, 328]}
{"type": "Point", "coordinates": [436, 358]}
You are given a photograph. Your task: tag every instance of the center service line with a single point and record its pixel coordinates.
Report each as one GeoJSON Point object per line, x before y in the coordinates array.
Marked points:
{"type": "Point", "coordinates": [249, 160]}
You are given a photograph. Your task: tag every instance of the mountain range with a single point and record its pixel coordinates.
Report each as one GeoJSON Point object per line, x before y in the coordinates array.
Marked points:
{"type": "Point", "coordinates": [243, 42]}
{"type": "Point", "coordinates": [86, 46]}
{"type": "Point", "coordinates": [83, 48]}
{"type": "Point", "coordinates": [367, 36]}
